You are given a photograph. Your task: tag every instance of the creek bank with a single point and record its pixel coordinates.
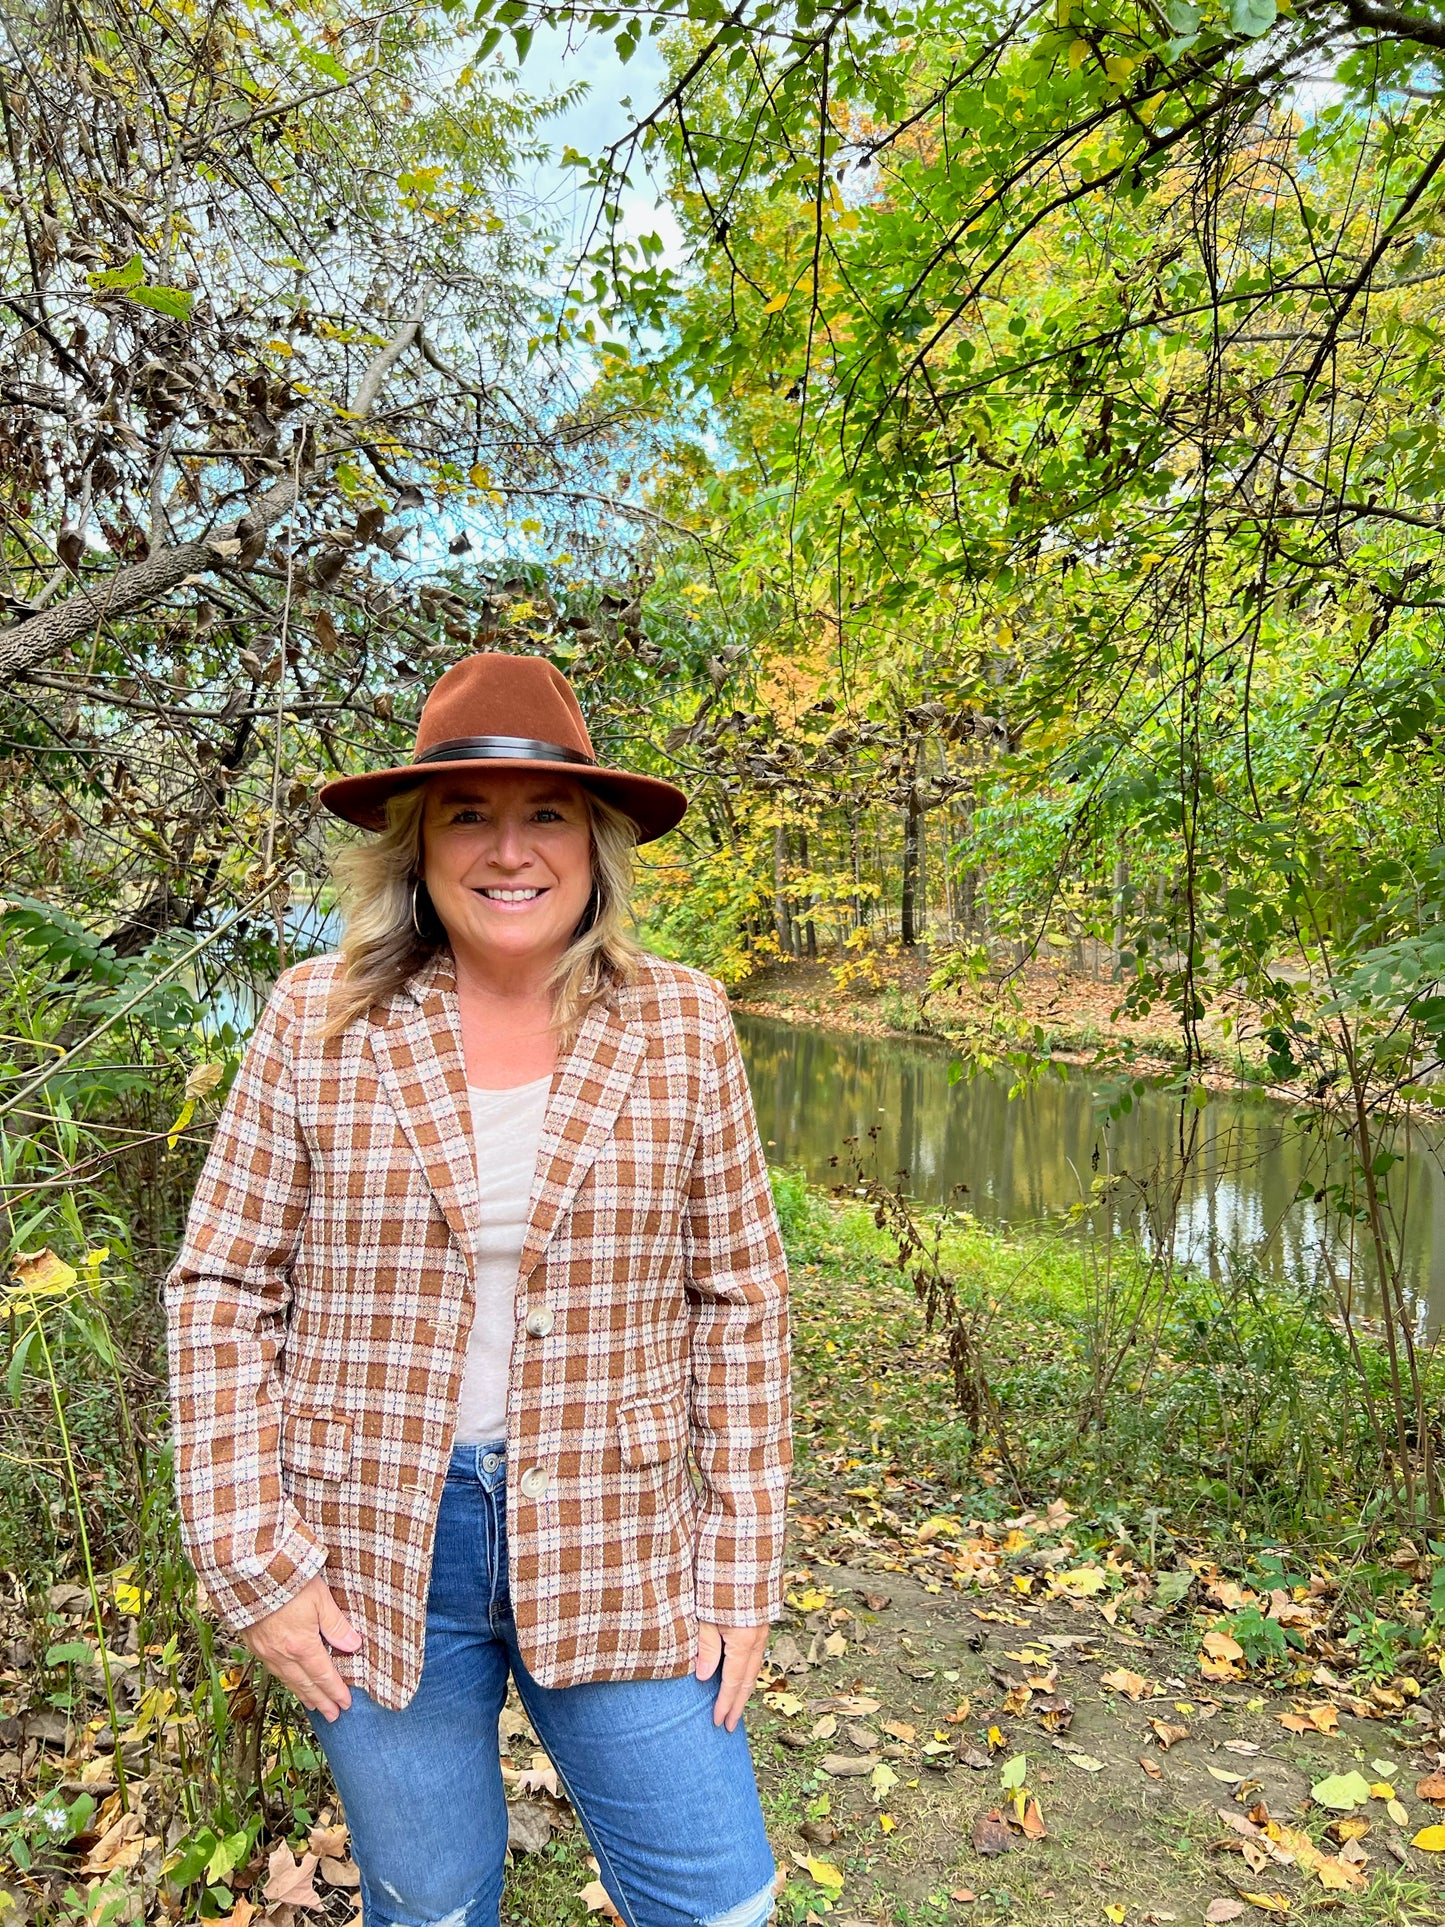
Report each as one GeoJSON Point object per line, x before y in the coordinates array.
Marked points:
{"type": "Point", "coordinates": [1044, 1014]}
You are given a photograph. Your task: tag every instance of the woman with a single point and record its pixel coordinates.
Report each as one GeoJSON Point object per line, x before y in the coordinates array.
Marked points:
{"type": "Point", "coordinates": [479, 1336]}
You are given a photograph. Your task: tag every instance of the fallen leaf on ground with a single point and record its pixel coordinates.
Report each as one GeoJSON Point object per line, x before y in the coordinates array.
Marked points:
{"type": "Point", "coordinates": [1350, 1826]}
{"type": "Point", "coordinates": [1430, 1840]}
{"type": "Point", "coordinates": [121, 1845]}
{"type": "Point", "coordinates": [825, 1728]}
{"type": "Point", "coordinates": [1227, 1775]}
{"type": "Point", "coordinates": [1116, 1911]}
{"type": "Point", "coordinates": [819, 1833]}
{"type": "Point", "coordinates": [288, 1880]}
{"type": "Point", "coordinates": [1223, 1909]}
{"type": "Point", "coordinates": [529, 1827]}
{"type": "Point", "coordinates": [596, 1900]}
{"type": "Point", "coordinates": [965, 1896]}
{"type": "Point", "coordinates": [1084, 1582]}
{"type": "Point", "coordinates": [1031, 1822]}
{"type": "Point", "coordinates": [329, 1843]}
{"type": "Point", "coordinates": [1168, 1735]}
{"type": "Point", "coordinates": [1432, 1787]}
{"type": "Point", "coordinates": [1133, 1686]}
{"type": "Point", "coordinates": [991, 1834]}
{"type": "Point", "coordinates": [858, 1705]}
{"type": "Point", "coordinates": [1085, 1761]}
{"type": "Point", "coordinates": [901, 1730]}
{"type": "Point", "coordinates": [846, 1766]}
{"type": "Point", "coordinates": [1151, 1767]}
{"type": "Point", "coordinates": [339, 1873]}
{"type": "Point", "coordinates": [1341, 1792]}
{"type": "Point", "coordinates": [823, 1873]}
{"type": "Point", "coordinates": [1268, 1903]}
{"type": "Point", "coordinates": [1239, 1746]}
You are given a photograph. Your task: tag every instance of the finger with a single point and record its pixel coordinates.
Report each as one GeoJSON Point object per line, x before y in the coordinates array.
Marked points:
{"type": "Point", "coordinates": [335, 1628]}
{"type": "Point", "coordinates": [709, 1649]}
{"type": "Point", "coordinates": [740, 1670]}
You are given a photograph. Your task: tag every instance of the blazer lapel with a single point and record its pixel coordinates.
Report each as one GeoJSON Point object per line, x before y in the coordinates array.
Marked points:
{"type": "Point", "coordinates": [417, 1045]}
{"type": "Point", "coordinates": [588, 1089]}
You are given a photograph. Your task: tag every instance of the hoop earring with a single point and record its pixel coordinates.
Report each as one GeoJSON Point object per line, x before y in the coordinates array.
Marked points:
{"type": "Point", "coordinates": [415, 919]}
{"type": "Point", "coordinates": [589, 915]}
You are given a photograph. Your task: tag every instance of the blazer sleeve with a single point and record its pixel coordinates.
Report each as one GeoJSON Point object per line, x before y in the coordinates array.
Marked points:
{"type": "Point", "coordinates": [228, 1298]}
{"type": "Point", "coordinates": [738, 1305]}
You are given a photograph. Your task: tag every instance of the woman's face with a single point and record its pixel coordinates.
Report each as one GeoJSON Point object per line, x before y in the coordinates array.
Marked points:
{"type": "Point", "coordinates": [507, 862]}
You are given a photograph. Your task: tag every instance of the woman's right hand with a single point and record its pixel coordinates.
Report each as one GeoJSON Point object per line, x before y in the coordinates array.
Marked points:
{"type": "Point", "coordinates": [294, 1641]}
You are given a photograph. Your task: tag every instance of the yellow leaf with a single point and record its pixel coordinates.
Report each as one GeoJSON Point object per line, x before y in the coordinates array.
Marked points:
{"type": "Point", "coordinates": [1269, 1903]}
{"type": "Point", "coordinates": [1079, 51]}
{"type": "Point", "coordinates": [127, 1598]}
{"type": "Point", "coordinates": [884, 1779]}
{"type": "Point", "coordinates": [776, 305]}
{"type": "Point", "coordinates": [40, 1274]}
{"type": "Point", "coordinates": [1430, 1840]}
{"type": "Point", "coordinates": [1116, 1912]}
{"type": "Point", "coordinates": [1083, 1581]}
{"type": "Point", "coordinates": [183, 1118]}
{"type": "Point", "coordinates": [479, 475]}
{"type": "Point", "coordinates": [825, 1874]}
{"type": "Point", "coordinates": [886, 1823]}
{"type": "Point", "coordinates": [1381, 1790]}
{"type": "Point", "coordinates": [809, 1601]}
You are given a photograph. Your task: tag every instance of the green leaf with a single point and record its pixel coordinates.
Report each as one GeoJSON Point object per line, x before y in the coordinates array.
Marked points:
{"type": "Point", "coordinates": [1341, 1792]}
{"type": "Point", "coordinates": [1012, 1772]}
{"type": "Point", "coordinates": [15, 1372]}
{"type": "Point", "coordinates": [325, 63]}
{"type": "Point", "coordinates": [175, 302]}
{"type": "Point", "coordinates": [189, 1860]}
{"type": "Point", "coordinates": [1182, 17]}
{"type": "Point", "coordinates": [1251, 18]}
{"type": "Point", "coordinates": [130, 276]}
{"type": "Point", "coordinates": [73, 1652]}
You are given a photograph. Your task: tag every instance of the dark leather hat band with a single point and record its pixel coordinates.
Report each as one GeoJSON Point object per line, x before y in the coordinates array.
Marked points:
{"type": "Point", "coordinates": [463, 749]}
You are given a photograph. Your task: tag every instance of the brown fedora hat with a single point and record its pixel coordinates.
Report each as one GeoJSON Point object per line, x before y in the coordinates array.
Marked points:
{"type": "Point", "coordinates": [506, 712]}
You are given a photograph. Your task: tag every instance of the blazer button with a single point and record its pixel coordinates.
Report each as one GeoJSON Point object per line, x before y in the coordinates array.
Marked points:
{"type": "Point", "coordinates": [534, 1482]}
{"type": "Point", "coordinates": [539, 1320]}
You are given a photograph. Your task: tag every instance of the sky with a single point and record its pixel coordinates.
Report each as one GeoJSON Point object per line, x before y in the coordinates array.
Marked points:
{"type": "Point", "coordinates": [594, 123]}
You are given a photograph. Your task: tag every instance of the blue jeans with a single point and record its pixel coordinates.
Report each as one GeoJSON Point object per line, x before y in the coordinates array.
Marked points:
{"type": "Point", "coordinates": [668, 1800]}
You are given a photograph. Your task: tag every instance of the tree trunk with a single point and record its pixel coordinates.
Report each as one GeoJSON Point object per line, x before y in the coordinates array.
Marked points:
{"type": "Point", "coordinates": [1121, 885]}
{"type": "Point", "coordinates": [810, 934]}
{"type": "Point", "coordinates": [910, 917]}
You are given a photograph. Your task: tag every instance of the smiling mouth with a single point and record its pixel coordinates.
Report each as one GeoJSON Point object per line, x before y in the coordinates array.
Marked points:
{"type": "Point", "coordinates": [511, 896]}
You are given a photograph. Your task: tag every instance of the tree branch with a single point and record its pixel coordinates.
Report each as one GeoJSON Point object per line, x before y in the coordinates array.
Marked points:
{"type": "Point", "coordinates": [1399, 26]}
{"type": "Point", "coordinates": [42, 636]}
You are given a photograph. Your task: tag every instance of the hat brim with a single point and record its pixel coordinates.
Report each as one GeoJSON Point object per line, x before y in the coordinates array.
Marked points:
{"type": "Point", "coordinates": [654, 806]}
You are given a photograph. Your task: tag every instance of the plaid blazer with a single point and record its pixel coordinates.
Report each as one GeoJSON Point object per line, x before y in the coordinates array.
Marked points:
{"type": "Point", "coordinates": [319, 1308]}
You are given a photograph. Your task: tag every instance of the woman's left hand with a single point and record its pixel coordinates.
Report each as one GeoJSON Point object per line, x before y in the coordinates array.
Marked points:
{"type": "Point", "coordinates": [740, 1648]}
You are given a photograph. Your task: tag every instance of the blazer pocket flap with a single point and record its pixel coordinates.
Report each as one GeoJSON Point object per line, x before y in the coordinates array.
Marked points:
{"type": "Point", "coordinates": [316, 1444]}
{"type": "Point", "coordinates": [651, 1430]}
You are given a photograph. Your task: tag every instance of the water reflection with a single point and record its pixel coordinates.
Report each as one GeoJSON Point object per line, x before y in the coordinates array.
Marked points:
{"type": "Point", "coordinates": [1031, 1159]}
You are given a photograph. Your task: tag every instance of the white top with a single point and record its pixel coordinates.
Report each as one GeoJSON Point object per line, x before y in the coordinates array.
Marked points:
{"type": "Point", "coordinates": [507, 1129]}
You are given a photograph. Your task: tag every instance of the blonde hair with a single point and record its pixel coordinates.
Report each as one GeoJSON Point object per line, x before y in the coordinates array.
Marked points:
{"type": "Point", "coordinates": [381, 947]}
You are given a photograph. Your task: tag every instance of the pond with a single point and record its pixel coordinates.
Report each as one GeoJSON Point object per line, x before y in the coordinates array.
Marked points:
{"type": "Point", "coordinates": [1033, 1159]}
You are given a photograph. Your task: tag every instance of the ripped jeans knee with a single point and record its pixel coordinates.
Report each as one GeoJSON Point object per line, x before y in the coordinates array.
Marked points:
{"type": "Point", "coordinates": [751, 1912]}
{"type": "Point", "coordinates": [384, 1905]}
